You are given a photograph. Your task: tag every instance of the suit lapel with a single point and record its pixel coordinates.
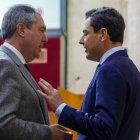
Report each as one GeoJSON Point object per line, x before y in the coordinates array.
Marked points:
{"type": "Point", "coordinates": [26, 74]}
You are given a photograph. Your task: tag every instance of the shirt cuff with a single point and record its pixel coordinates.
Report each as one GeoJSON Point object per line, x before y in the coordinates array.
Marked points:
{"type": "Point", "coordinates": [59, 110]}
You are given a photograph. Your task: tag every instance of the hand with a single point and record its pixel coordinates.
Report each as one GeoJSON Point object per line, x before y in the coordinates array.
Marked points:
{"type": "Point", "coordinates": [59, 132]}
{"type": "Point", "coordinates": [51, 95]}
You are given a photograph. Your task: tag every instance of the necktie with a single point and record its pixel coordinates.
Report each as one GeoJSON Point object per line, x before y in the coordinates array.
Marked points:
{"type": "Point", "coordinates": [95, 74]}
{"type": "Point", "coordinates": [97, 68]}
{"type": "Point", "coordinates": [26, 66]}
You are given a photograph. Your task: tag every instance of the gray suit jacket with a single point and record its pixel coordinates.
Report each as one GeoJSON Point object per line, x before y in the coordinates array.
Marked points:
{"type": "Point", "coordinates": [23, 115]}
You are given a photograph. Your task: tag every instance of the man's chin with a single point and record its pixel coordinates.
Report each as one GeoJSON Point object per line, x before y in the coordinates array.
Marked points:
{"type": "Point", "coordinates": [38, 56]}
{"type": "Point", "coordinates": [90, 58]}
{"type": "Point", "coordinates": [87, 57]}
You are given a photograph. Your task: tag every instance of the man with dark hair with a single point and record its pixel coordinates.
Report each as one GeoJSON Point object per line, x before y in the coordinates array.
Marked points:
{"type": "Point", "coordinates": [23, 115]}
{"type": "Point", "coordinates": [111, 106]}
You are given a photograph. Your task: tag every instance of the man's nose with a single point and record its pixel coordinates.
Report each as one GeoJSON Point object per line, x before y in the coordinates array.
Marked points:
{"type": "Point", "coordinates": [81, 41]}
{"type": "Point", "coordinates": [45, 38]}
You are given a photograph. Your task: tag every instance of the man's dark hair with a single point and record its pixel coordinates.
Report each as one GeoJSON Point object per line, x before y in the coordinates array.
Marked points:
{"type": "Point", "coordinates": [109, 18]}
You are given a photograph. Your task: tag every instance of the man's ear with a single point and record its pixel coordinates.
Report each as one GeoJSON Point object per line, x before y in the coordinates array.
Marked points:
{"type": "Point", "coordinates": [103, 34]}
{"type": "Point", "coordinates": [20, 29]}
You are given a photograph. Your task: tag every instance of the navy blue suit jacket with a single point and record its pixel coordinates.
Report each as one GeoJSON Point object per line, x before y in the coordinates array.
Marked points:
{"type": "Point", "coordinates": [111, 106]}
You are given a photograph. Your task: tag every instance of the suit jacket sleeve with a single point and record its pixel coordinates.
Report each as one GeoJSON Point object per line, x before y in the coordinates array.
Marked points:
{"type": "Point", "coordinates": [11, 126]}
{"type": "Point", "coordinates": [110, 87]}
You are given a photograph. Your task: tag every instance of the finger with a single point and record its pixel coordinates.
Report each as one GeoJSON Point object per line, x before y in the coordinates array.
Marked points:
{"type": "Point", "coordinates": [43, 94]}
{"type": "Point", "coordinates": [43, 81]}
{"type": "Point", "coordinates": [47, 89]}
{"type": "Point", "coordinates": [43, 86]}
{"type": "Point", "coordinates": [46, 83]}
{"type": "Point", "coordinates": [68, 135]}
{"type": "Point", "coordinates": [61, 128]}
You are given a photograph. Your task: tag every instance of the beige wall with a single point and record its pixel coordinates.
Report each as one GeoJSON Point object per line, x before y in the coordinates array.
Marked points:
{"type": "Point", "coordinates": [134, 30]}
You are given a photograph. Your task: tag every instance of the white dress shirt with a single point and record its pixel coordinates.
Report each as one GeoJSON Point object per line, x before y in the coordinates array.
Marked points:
{"type": "Point", "coordinates": [15, 51]}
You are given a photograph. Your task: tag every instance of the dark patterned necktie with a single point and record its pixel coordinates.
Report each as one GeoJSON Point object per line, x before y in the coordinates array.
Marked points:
{"type": "Point", "coordinates": [94, 76]}
{"type": "Point", "coordinates": [26, 66]}
{"type": "Point", "coordinates": [97, 68]}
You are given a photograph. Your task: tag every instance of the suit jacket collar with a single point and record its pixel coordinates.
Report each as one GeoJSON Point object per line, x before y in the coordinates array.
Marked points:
{"type": "Point", "coordinates": [110, 52]}
{"type": "Point", "coordinates": [15, 59]}
{"type": "Point", "coordinates": [15, 51]}
{"type": "Point", "coordinates": [121, 53]}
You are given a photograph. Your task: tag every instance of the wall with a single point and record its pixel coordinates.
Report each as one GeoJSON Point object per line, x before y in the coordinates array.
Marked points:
{"type": "Point", "coordinates": [134, 30]}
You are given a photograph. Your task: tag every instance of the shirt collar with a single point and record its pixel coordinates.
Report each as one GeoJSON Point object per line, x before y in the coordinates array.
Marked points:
{"type": "Point", "coordinates": [15, 51]}
{"type": "Point", "coordinates": [110, 52]}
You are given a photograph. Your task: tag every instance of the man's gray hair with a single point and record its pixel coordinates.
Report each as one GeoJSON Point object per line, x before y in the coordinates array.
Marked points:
{"type": "Point", "coordinates": [17, 14]}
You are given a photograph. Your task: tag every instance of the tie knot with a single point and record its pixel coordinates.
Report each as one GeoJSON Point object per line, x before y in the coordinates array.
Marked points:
{"type": "Point", "coordinates": [98, 65]}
